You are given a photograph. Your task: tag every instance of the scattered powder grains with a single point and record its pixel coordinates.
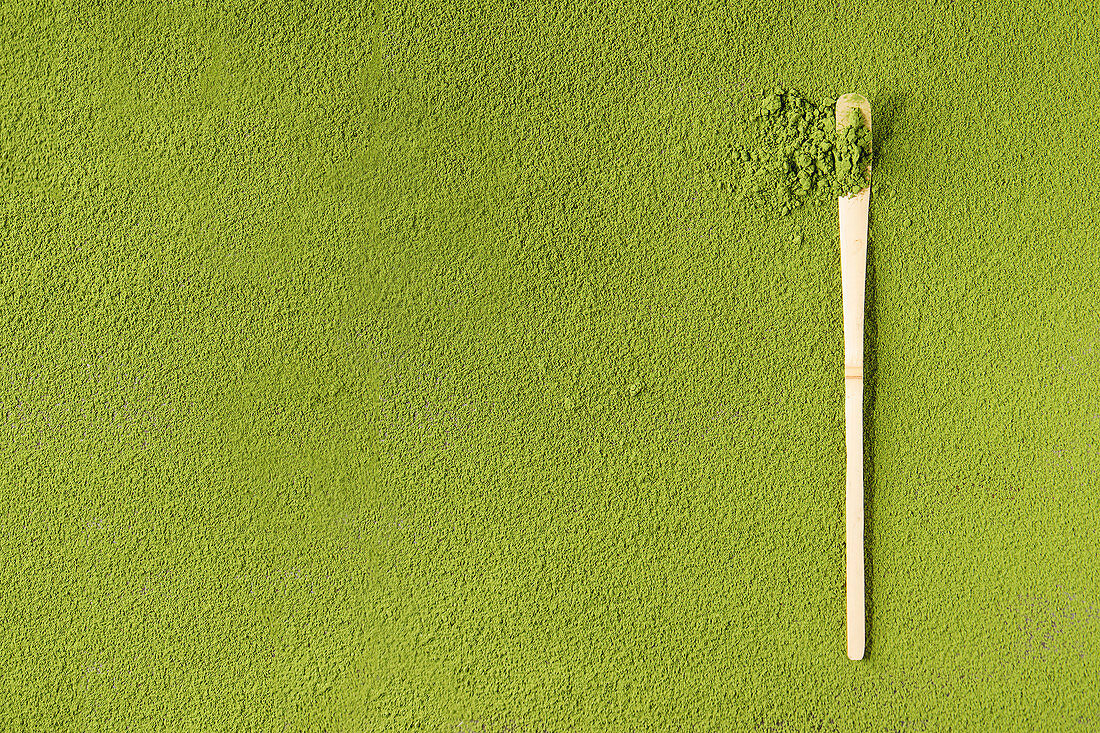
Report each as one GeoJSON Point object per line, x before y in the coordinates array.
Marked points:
{"type": "Point", "coordinates": [795, 155]}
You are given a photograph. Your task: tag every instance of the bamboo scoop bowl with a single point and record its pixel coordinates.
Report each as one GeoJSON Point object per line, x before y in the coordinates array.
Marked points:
{"type": "Point", "coordinates": [853, 265]}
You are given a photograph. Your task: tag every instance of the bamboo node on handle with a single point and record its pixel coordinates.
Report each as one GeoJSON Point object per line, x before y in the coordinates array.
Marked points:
{"type": "Point", "coordinates": [853, 372]}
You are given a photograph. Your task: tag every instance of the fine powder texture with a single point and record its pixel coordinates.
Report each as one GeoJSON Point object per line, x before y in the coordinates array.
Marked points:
{"type": "Point", "coordinates": [799, 153]}
{"type": "Point", "coordinates": [405, 366]}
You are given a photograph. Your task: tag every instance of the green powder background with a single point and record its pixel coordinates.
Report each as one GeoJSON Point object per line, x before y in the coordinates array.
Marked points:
{"type": "Point", "coordinates": [406, 367]}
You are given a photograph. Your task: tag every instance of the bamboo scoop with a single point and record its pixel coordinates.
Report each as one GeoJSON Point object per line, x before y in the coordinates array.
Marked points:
{"type": "Point", "coordinates": [853, 270]}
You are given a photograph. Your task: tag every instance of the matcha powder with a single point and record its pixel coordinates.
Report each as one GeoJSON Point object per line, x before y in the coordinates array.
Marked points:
{"type": "Point", "coordinates": [795, 155]}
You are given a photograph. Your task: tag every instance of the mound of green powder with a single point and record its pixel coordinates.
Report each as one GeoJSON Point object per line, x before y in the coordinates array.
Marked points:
{"type": "Point", "coordinates": [794, 154]}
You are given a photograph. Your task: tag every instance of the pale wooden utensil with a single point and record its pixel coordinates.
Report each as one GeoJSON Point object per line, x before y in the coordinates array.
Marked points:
{"type": "Point", "coordinates": [853, 270]}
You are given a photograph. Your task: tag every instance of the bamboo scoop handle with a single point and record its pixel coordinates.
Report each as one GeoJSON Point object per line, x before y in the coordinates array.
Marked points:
{"type": "Point", "coordinates": [853, 269]}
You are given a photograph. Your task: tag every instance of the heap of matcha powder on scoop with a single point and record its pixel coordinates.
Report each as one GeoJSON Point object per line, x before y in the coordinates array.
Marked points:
{"type": "Point", "coordinates": [795, 155]}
